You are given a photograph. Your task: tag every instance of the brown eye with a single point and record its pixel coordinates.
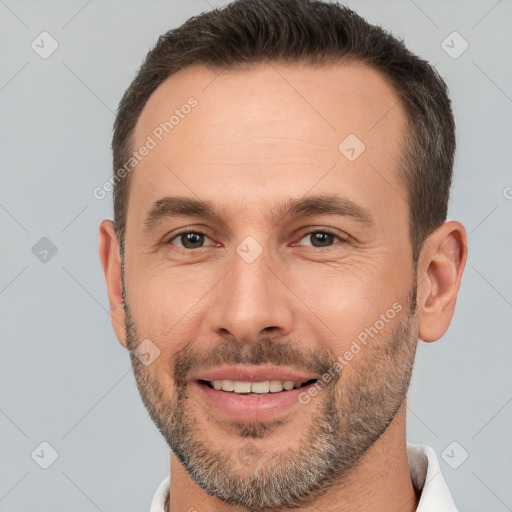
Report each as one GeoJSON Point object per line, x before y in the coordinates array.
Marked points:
{"type": "Point", "coordinates": [320, 238]}
{"type": "Point", "coordinates": [189, 240]}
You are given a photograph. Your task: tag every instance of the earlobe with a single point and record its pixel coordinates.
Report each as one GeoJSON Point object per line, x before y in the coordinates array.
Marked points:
{"type": "Point", "coordinates": [441, 264]}
{"type": "Point", "coordinates": [111, 262]}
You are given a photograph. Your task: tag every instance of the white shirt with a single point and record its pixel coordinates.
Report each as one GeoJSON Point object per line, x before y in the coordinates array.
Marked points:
{"type": "Point", "coordinates": [425, 474]}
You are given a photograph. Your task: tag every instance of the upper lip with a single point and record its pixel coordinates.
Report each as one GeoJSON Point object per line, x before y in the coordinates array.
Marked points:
{"type": "Point", "coordinates": [253, 373]}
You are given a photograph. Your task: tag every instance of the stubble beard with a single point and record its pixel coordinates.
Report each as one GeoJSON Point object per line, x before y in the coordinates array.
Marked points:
{"type": "Point", "coordinates": [351, 414]}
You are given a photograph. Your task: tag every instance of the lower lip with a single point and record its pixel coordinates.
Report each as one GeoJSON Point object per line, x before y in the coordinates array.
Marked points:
{"type": "Point", "coordinates": [245, 408]}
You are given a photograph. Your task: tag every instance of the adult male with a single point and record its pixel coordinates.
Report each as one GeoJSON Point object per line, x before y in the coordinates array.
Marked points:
{"type": "Point", "coordinates": [280, 243]}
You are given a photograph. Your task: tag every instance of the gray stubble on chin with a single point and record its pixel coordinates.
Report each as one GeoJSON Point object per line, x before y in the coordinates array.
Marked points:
{"type": "Point", "coordinates": [347, 423]}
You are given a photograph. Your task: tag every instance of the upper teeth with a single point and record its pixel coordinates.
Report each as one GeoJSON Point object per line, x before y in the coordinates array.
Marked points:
{"type": "Point", "coordinates": [272, 386]}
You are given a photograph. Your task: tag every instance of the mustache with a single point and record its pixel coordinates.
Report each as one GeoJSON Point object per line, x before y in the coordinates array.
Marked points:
{"type": "Point", "coordinates": [264, 351]}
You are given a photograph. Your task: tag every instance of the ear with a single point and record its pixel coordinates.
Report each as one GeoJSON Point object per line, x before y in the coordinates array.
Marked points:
{"type": "Point", "coordinates": [111, 262]}
{"type": "Point", "coordinates": [440, 266]}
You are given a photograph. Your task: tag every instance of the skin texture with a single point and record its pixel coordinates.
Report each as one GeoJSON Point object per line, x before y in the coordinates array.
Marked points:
{"type": "Point", "coordinates": [257, 138]}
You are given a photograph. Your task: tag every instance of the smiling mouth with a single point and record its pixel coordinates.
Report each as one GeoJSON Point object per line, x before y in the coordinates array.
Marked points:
{"type": "Point", "coordinates": [255, 388]}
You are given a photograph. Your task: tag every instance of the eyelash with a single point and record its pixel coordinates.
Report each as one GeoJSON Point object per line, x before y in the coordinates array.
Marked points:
{"type": "Point", "coordinates": [188, 231]}
{"type": "Point", "coordinates": [323, 231]}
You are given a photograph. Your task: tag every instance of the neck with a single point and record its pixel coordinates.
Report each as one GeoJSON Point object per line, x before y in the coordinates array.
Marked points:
{"type": "Point", "coordinates": [380, 482]}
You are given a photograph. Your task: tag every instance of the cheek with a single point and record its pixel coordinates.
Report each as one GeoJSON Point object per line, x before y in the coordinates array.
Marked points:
{"type": "Point", "coordinates": [348, 299]}
{"type": "Point", "coordinates": [346, 286]}
{"type": "Point", "coordinates": [166, 304]}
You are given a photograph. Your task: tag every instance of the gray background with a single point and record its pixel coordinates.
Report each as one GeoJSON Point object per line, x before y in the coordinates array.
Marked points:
{"type": "Point", "coordinates": [63, 377]}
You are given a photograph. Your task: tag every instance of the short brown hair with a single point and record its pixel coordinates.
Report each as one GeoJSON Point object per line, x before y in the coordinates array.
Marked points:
{"type": "Point", "coordinates": [249, 32]}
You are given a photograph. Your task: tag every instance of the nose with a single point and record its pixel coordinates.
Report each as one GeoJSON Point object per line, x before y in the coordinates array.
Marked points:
{"type": "Point", "coordinates": [251, 302]}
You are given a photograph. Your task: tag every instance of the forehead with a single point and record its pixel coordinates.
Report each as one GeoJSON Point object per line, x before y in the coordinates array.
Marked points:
{"type": "Point", "coordinates": [278, 129]}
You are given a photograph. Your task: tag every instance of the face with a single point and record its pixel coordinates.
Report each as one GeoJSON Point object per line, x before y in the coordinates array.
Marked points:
{"type": "Point", "coordinates": [268, 266]}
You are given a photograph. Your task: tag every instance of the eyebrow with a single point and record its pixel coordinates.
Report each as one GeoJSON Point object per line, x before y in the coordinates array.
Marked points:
{"type": "Point", "coordinates": [172, 206]}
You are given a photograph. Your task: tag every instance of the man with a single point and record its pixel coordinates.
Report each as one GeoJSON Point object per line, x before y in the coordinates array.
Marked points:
{"type": "Point", "coordinates": [279, 246]}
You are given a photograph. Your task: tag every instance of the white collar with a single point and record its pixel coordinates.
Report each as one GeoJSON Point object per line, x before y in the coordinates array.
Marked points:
{"type": "Point", "coordinates": [425, 474]}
